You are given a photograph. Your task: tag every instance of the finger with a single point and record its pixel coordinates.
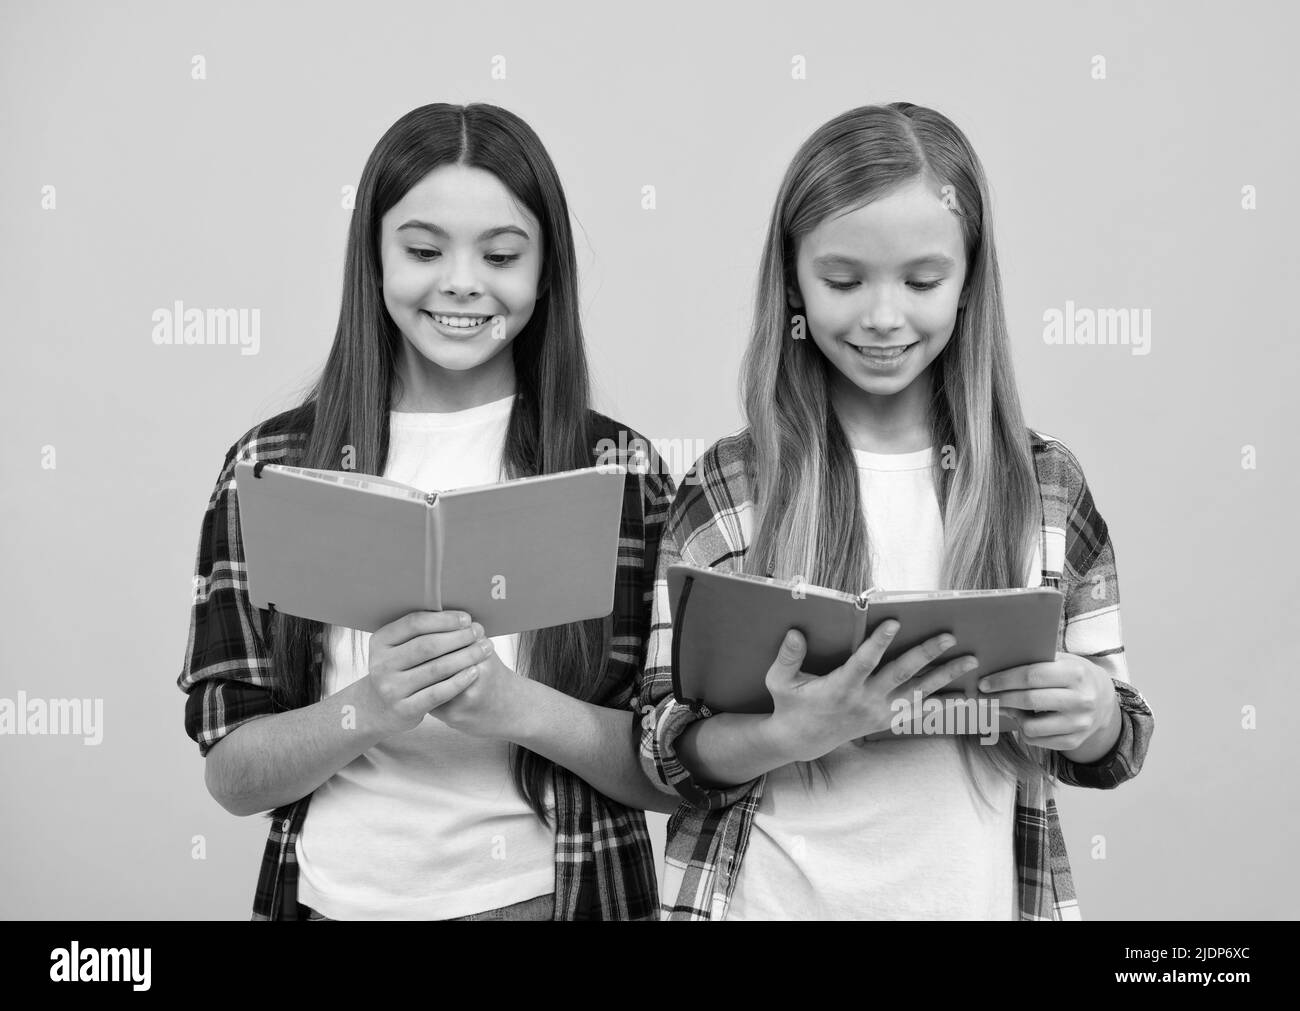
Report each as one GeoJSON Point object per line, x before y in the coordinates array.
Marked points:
{"type": "Point", "coordinates": [1059, 742]}
{"type": "Point", "coordinates": [935, 680]}
{"type": "Point", "coordinates": [422, 648]}
{"type": "Point", "coordinates": [408, 626]}
{"type": "Point", "coordinates": [789, 659]}
{"type": "Point", "coordinates": [1037, 699]}
{"type": "Point", "coordinates": [1030, 675]}
{"type": "Point", "coordinates": [1035, 727]}
{"type": "Point", "coordinates": [442, 667]}
{"type": "Point", "coordinates": [866, 657]}
{"type": "Point", "coordinates": [444, 691]}
{"type": "Point", "coordinates": [1007, 717]}
{"type": "Point", "coordinates": [902, 668]}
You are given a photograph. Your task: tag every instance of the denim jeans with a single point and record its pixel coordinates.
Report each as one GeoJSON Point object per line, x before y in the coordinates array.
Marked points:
{"type": "Point", "coordinates": [540, 908]}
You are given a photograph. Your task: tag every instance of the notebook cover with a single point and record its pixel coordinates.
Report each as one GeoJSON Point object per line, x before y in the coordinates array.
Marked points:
{"type": "Point", "coordinates": [1001, 628]}
{"type": "Point", "coordinates": [534, 552]}
{"type": "Point", "coordinates": [729, 632]}
{"type": "Point", "coordinates": [322, 545]}
{"type": "Point", "coordinates": [732, 625]}
{"type": "Point", "coordinates": [322, 548]}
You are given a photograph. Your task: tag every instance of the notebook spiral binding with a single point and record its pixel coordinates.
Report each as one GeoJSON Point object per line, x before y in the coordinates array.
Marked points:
{"type": "Point", "coordinates": [861, 602]}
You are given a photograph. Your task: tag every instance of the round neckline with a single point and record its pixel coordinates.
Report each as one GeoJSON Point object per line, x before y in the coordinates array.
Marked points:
{"type": "Point", "coordinates": [426, 421]}
{"type": "Point", "coordinates": [921, 459]}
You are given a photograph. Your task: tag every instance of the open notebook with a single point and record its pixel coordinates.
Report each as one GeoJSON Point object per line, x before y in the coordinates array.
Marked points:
{"type": "Point", "coordinates": [728, 627]}
{"type": "Point", "coordinates": [359, 551]}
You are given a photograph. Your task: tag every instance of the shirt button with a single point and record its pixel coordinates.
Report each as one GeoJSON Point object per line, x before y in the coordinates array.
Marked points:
{"type": "Point", "coordinates": [284, 825]}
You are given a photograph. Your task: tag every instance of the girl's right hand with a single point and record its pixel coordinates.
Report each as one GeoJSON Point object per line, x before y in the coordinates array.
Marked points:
{"type": "Point", "coordinates": [815, 714]}
{"type": "Point", "coordinates": [412, 663]}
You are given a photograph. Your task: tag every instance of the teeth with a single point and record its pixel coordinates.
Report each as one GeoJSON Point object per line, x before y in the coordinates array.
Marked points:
{"type": "Point", "coordinates": [467, 322]}
{"type": "Point", "coordinates": [873, 353]}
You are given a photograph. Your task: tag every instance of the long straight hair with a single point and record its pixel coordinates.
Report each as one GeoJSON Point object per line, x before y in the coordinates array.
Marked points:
{"type": "Point", "coordinates": [550, 427]}
{"type": "Point", "coordinates": [809, 518]}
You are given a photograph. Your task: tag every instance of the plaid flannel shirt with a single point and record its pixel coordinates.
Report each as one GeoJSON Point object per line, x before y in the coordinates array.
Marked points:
{"type": "Point", "coordinates": [708, 833]}
{"type": "Point", "coordinates": [604, 866]}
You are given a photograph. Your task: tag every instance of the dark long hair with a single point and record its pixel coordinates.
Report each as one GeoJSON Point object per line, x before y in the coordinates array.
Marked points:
{"type": "Point", "coordinates": [550, 427]}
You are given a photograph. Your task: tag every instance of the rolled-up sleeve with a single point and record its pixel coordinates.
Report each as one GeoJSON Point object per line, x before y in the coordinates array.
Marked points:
{"type": "Point", "coordinates": [227, 670]}
{"type": "Point", "coordinates": [664, 717]}
{"type": "Point", "coordinates": [1093, 630]}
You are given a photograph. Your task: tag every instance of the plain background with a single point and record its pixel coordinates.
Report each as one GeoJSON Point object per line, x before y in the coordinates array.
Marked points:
{"type": "Point", "coordinates": [226, 192]}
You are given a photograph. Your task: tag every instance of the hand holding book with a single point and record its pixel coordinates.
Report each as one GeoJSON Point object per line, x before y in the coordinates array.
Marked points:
{"type": "Point", "coordinates": [814, 714]}
{"type": "Point", "coordinates": [417, 663]}
{"type": "Point", "coordinates": [728, 626]}
{"type": "Point", "coordinates": [1068, 704]}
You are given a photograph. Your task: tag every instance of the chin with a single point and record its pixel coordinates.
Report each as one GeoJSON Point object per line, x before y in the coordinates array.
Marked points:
{"type": "Point", "coordinates": [460, 359]}
{"type": "Point", "coordinates": [883, 387]}
{"type": "Point", "coordinates": [449, 355]}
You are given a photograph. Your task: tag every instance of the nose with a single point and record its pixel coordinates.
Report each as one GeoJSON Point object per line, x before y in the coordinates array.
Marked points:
{"type": "Point", "coordinates": [882, 314]}
{"type": "Point", "coordinates": [459, 279]}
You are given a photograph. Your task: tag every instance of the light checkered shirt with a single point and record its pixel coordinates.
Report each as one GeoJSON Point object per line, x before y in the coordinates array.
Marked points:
{"type": "Point", "coordinates": [708, 834]}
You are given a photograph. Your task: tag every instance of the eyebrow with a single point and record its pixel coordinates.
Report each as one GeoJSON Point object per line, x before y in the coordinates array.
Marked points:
{"type": "Point", "coordinates": [843, 260]}
{"type": "Point", "coordinates": [491, 233]}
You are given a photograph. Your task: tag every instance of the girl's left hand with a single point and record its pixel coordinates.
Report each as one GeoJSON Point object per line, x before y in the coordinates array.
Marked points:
{"type": "Point", "coordinates": [1061, 705]}
{"type": "Point", "coordinates": [493, 706]}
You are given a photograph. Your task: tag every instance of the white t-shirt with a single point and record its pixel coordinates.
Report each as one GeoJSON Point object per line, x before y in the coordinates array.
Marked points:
{"type": "Point", "coordinates": [427, 824]}
{"type": "Point", "coordinates": [897, 834]}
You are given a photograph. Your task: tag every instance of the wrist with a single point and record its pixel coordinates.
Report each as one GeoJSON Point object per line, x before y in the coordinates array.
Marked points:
{"type": "Point", "coordinates": [531, 713]}
{"type": "Point", "coordinates": [1102, 739]}
{"type": "Point", "coordinates": [778, 742]}
{"type": "Point", "coordinates": [364, 720]}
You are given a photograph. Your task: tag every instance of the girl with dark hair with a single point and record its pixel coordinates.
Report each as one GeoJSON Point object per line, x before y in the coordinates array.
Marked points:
{"type": "Point", "coordinates": [427, 772]}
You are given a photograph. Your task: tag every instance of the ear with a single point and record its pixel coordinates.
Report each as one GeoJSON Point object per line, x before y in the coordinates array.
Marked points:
{"type": "Point", "coordinates": [793, 295]}
{"type": "Point", "coordinates": [965, 294]}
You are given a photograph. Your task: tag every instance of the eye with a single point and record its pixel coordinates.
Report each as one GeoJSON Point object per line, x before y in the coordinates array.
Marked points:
{"type": "Point", "coordinates": [418, 253]}
{"type": "Point", "coordinates": [924, 285]}
{"type": "Point", "coordinates": [839, 285]}
{"type": "Point", "coordinates": [501, 259]}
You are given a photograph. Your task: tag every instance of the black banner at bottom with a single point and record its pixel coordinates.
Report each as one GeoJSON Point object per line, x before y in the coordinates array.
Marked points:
{"type": "Point", "coordinates": [649, 960]}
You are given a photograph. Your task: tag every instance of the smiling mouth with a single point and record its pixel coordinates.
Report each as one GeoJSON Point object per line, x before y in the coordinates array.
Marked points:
{"type": "Point", "coordinates": [458, 322]}
{"type": "Point", "coordinates": [888, 354]}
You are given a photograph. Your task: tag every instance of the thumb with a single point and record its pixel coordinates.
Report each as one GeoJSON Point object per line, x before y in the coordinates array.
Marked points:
{"type": "Point", "coordinates": [789, 657]}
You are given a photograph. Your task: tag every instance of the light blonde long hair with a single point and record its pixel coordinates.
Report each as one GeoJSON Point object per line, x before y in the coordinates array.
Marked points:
{"type": "Point", "coordinates": [808, 513]}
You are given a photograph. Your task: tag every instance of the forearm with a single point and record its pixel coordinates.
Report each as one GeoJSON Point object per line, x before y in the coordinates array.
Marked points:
{"type": "Point", "coordinates": [275, 760]}
{"type": "Point", "coordinates": [593, 742]}
{"type": "Point", "coordinates": [730, 748]}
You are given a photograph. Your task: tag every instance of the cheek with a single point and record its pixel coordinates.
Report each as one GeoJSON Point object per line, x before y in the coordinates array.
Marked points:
{"type": "Point", "coordinates": [937, 316]}
{"type": "Point", "coordinates": [404, 283]}
{"type": "Point", "coordinates": [518, 294]}
{"type": "Point", "coordinates": [517, 289]}
{"type": "Point", "coordinates": [831, 315]}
